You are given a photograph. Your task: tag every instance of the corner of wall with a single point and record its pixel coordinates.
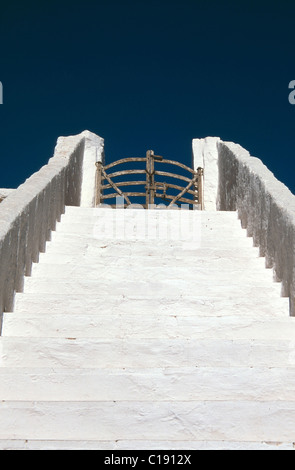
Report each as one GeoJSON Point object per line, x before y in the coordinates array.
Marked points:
{"type": "Point", "coordinates": [30, 212]}
{"type": "Point", "coordinates": [205, 155]}
{"type": "Point", "coordinates": [93, 152]}
{"type": "Point", "coordinates": [266, 208]}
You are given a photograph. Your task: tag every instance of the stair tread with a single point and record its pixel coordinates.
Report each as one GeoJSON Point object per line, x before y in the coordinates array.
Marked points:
{"type": "Point", "coordinates": [204, 304]}
{"type": "Point", "coordinates": [130, 352]}
{"type": "Point", "coordinates": [161, 384]}
{"type": "Point", "coordinates": [176, 420]}
{"type": "Point", "coordinates": [128, 325]}
{"type": "Point", "coordinates": [137, 444]}
{"type": "Point", "coordinates": [180, 340]}
{"type": "Point", "coordinates": [153, 288]}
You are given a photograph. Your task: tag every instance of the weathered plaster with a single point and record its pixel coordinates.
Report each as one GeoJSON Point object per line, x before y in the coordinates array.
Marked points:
{"type": "Point", "coordinates": [93, 152]}
{"type": "Point", "coordinates": [4, 193]}
{"type": "Point", "coordinates": [266, 208]}
{"type": "Point", "coordinates": [205, 155]}
{"type": "Point", "coordinates": [148, 339]}
{"type": "Point", "coordinates": [29, 214]}
{"type": "Point", "coordinates": [234, 180]}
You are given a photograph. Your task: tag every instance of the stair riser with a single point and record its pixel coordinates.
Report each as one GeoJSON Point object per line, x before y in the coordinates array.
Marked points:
{"type": "Point", "coordinates": [89, 353]}
{"type": "Point", "coordinates": [145, 227]}
{"type": "Point", "coordinates": [87, 259]}
{"type": "Point", "coordinates": [125, 325]}
{"type": "Point", "coordinates": [144, 420]}
{"type": "Point", "coordinates": [152, 289]}
{"type": "Point", "coordinates": [99, 251]}
{"type": "Point", "coordinates": [104, 304]}
{"type": "Point", "coordinates": [195, 239]}
{"type": "Point", "coordinates": [120, 444]}
{"type": "Point", "coordinates": [208, 384]}
{"type": "Point", "coordinates": [197, 273]}
{"type": "Point", "coordinates": [89, 211]}
{"type": "Point", "coordinates": [162, 219]}
{"type": "Point", "coordinates": [205, 217]}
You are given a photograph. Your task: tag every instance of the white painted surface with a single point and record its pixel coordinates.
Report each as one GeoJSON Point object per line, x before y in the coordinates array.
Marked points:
{"type": "Point", "coordinates": [120, 444]}
{"type": "Point", "coordinates": [29, 214]}
{"type": "Point", "coordinates": [205, 155]}
{"type": "Point", "coordinates": [266, 208]}
{"type": "Point", "coordinates": [93, 152]}
{"type": "Point", "coordinates": [148, 343]}
{"type": "Point", "coordinates": [4, 192]}
{"type": "Point", "coordinates": [152, 383]}
{"type": "Point", "coordinates": [193, 420]}
{"type": "Point", "coordinates": [147, 329]}
{"type": "Point", "coordinates": [234, 180]}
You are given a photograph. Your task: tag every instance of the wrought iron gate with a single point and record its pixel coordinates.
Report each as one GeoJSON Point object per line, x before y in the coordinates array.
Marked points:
{"type": "Point", "coordinates": [153, 189]}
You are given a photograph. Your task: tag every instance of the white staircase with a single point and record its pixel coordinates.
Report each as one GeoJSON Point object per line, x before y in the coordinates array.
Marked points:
{"type": "Point", "coordinates": [132, 335]}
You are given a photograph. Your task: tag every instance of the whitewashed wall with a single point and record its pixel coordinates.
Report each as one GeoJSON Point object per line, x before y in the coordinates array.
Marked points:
{"type": "Point", "coordinates": [237, 181]}
{"type": "Point", "coordinates": [4, 193]}
{"type": "Point", "coordinates": [205, 155]}
{"type": "Point", "coordinates": [29, 213]}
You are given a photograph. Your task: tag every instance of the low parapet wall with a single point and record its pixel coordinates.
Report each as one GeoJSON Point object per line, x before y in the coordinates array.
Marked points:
{"type": "Point", "coordinates": [29, 214]}
{"type": "Point", "coordinates": [4, 193]}
{"type": "Point", "coordinates": [266, 207]}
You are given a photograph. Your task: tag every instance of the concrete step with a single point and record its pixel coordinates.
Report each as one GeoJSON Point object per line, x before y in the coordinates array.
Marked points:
{"type": "Point", "coordinates": [77, 249]}
{"type": "Point", "coordinates": [88, 213]}
{"type": "Point", "coordinates": [129, 352]}
{"type": "Point", "coordinates": [193, 240]}
{"type": "Point", "coordinates": [197, 272]}
{"type": "Point", "coordinates": [207, 219]}
{"type": "Point", "coordinates": [153, 288]}
{"type": "Point", "coordinates": [199, 304]}
{"type": "Point", "coordinates": [153, 325]}
{"type": "Point", "coordinates": [151, 342]}
{"type": "Point", "coordinates": [146, 224]}
{"type": "Point", "coordinates": [85, 259]}
{"type": "Point", "coordinates": [196, 420]}
{"type": "Point", "coordinates": [143, 226]}
{"type": "Point", "coordinates": [81, 213]}
{"type": "Point", "coordinates": [148, 384]}
{"type": "Point", "coordinates": [137, 444]}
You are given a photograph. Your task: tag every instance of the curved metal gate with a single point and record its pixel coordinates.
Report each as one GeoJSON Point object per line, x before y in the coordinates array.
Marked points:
{"type": "Point", "coordinates": [165, 190]}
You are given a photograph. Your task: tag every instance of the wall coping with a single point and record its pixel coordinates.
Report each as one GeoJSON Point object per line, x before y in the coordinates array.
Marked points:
{"type": "Point", "coordinates": [237, 181]}
{"type": "Point", "coordinates": [31, 211]}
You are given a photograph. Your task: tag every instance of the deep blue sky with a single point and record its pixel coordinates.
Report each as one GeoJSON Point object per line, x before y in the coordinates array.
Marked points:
{"type": "Point", "coordinates": [146, 75]}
